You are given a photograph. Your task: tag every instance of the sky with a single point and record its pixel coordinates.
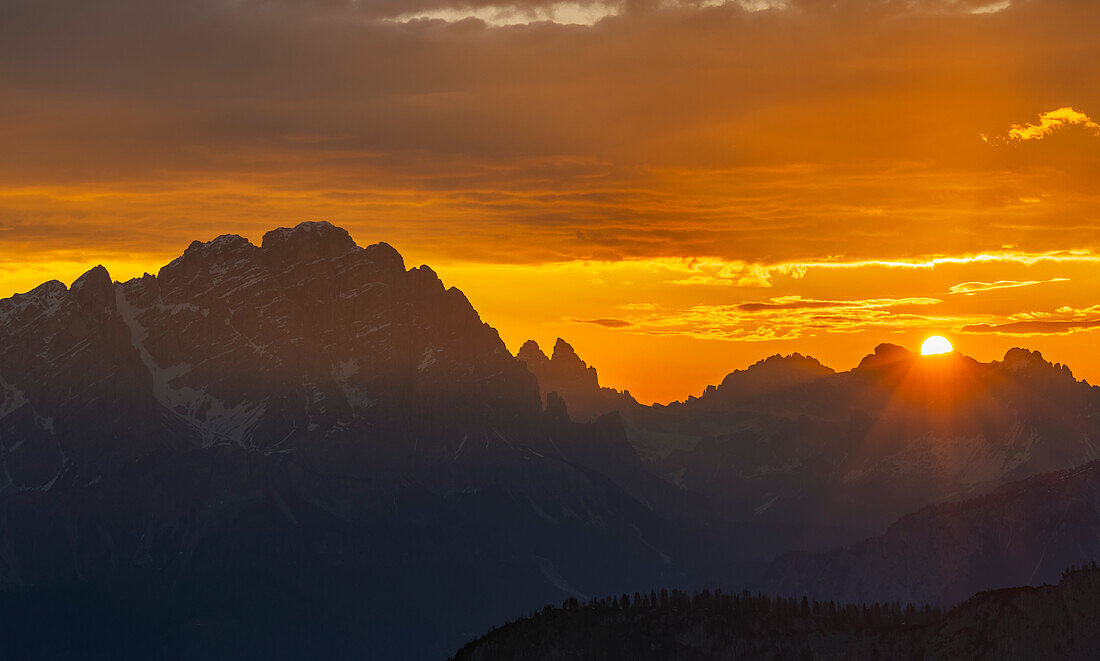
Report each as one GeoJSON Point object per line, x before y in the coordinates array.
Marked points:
{"type": "Point", "coordinates": [676, 187]}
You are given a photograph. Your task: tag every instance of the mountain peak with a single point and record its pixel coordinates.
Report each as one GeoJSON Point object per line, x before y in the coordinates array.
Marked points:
{"type": "Point", "coordinates": [95, 276]}
{"type": "Point", "coordinates": [222, 245]}
{"type": "Point", "coordinates": [385, 257]}
{"type": "Point", "coordinates": [1018, 360]}
{"type": "Point", "coordinates": [772, 373]}
{"type": "Point", "coordinates": [567, 375]}
{"type": "Point", "coordinates": [44, 297]}
{"type": "Point", "coordinates": [794, 360]}
{"type": "Point", "coordinates": [1017, 355]}
{"type": "Point", "coordinates": [49, 288]}
{"type": "Point", "coordinates": [531, 354]}
{"type": "Point", "coordinates": [93, 289]}
{"type": "Point", "coordinates": [564, 352]}
{"type": "Point", "coordinates": [885, 354]}
{"type": "Point", "coordinates": [308, 241]}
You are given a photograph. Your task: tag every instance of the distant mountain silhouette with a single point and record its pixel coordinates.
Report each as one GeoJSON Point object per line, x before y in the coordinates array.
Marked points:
{"type": "Point", "coordinates": [571, 378]}
{"type": "Point", "coordinates": [833, 457]}
{"type": "Point", "coordinates": [301, 448]}
{"type": "Point", "coordinates": [1051, 622]}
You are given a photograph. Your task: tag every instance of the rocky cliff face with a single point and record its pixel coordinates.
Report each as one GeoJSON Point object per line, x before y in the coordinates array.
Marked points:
{"type": "Point", "coordinates": [274, 347]}
{"type": "Point", "coordinates": [574, 381]}
{"type": "Point", "coordinates": [300, 422]}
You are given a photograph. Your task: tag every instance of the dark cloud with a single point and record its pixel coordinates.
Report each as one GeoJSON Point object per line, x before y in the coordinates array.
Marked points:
{"type": "Point", "coordinates": [1033, 327]}
{"type": "Point", "coordinates": [794, 305]}
{"type": "Point", "coordinates": [824, 129]}
{"type": "Point", "coordinates": [606, 323]}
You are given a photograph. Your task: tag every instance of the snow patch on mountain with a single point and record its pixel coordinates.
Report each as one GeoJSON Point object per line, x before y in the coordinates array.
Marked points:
{"type": "Point", "coordinates": [14, 399]}
{"type": "Point", "coordinates": [214, 421]}
{"type": "Point", "coordinates": [46, 298]}
{"type": "Point", "coordinates": [427, 359]}
{"type": "Point", "coordinates": [342, 372]}
{"type": "Point", "coordinates": [46, 423]}
{"type": "Point", "coordinates": [763, 507]}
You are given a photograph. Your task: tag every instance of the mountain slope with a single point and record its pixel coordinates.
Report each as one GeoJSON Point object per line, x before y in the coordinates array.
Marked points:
{"type": "Point", "coordinates": [1021, 534]}
{"type": "Point", "coordinates": [574, 381]}
{"type": "Point", "coordinates": [1051, 622]}
{"type": "Point", "coordinates": [302, 422]}
{"type": "Point", "coordinates": [271, 347]}
{"type": "Point", "coordinates": [834, 457]}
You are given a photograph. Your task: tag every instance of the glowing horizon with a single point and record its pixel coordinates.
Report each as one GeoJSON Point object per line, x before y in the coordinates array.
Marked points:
{"type": "Point", "coordinates": [678, 188]}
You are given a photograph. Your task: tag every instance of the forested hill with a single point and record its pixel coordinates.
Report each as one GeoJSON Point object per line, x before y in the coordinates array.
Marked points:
{"type": "Point", "coordinates": [707, 625]}
{"type": "Point", "coordinates": [1058, 621]}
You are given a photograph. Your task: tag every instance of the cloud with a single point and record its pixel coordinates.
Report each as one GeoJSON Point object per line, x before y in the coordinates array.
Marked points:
{"type": "Point", "coordinates": [806, 132]}
{"type": "Point", "coordinates": [1049, 122]}
{"type": "Point", "coordinates": [606, 323]}
{"type": "Point", "coordinates": [717, 272]}
{"type": "Point", "coordinates": [992, 7]}
{"type": "Point", "coordinates": [799, 303]}
{"type": "Point", "coordinates": [1064, 320]}
{"type": "Point", "coordinates": [786, 317]}
{"type": "Point", "coordinates": [585, 13]}
{"type": "Point", "coordinates": [970, 288]}
{"type": "Point", "coordinates": [502, 15]}
{"type": "Point", "coordinates": [1027, 328]}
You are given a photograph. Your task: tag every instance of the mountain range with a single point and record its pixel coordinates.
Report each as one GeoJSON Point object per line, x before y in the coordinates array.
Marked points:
{"type": "Point", "coordinates": [834, 457]}
{"type": "Point", "coordinates": [303, 424]}
{"type": "Point", "coordinates": [304, 447]}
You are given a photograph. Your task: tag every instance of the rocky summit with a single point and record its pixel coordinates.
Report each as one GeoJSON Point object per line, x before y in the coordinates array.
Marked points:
{"type": "Point", "coordinates": [822, 458]}
{"type": "Point", "coordinates": [307, 414]}
{"type": "Point", "coordinates": [304, 338]}
{"type": "Point", "coordinates": [565, 374]}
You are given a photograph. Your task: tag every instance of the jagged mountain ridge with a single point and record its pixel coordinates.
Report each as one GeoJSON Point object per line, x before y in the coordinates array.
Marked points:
{"type": "Point", "coordinates": [312, 411]}
{"type": "Point", "coordinates": [839, 455]}
{"type": "Point", "coordinates": [310, 408]}
{"type": "Point", "coordinates": [564, 373]}
{"type": "Point", "coordinates": [265, 346]}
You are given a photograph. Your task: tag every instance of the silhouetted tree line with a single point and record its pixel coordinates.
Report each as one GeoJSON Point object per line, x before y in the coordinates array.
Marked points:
{"type": "Point", "coordinates": [677, 625]}
{"type": "Point", "coordinates": [1077, 569]}
{"type": "Point", "coordinates": [746, 609]}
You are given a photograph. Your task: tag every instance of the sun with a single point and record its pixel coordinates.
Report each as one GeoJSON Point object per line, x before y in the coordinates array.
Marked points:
{"type": "Point", "coordinates": [936, 344]}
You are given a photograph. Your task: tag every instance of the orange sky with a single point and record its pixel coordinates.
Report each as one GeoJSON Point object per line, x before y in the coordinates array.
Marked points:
{"type": "Point", "coordinates": [678, 188]}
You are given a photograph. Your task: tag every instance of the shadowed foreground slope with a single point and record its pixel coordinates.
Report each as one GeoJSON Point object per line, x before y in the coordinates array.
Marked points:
{"type": "Point", "coordinates": [1053, 621]}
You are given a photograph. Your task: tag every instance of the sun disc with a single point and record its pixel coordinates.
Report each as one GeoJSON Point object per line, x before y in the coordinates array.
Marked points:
{"type": "Point", "coordinates": [934, 345]}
